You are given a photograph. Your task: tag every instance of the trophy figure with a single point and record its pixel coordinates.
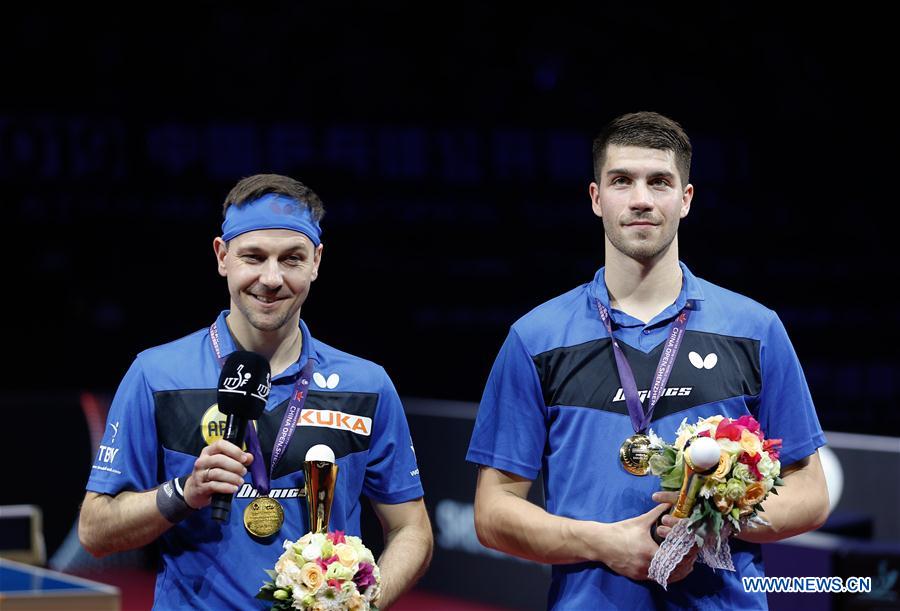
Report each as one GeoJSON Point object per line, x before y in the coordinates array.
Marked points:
{"type": "Point", "coordinates": [321, 475]}
{"type": "Point", "coordinates": [701, 458]}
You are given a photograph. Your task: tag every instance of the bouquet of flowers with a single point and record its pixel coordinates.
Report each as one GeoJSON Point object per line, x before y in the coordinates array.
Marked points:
{"type": "Point", "coordinates": [323, 571]}
{"type": "Point", "coordinates": [728, 499]}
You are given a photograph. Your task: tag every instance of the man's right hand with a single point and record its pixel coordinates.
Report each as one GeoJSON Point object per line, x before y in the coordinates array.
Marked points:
{"type": "Point", "coordinates": [220, 469]}
{"type": "Point", "coordinates": [631, 548]}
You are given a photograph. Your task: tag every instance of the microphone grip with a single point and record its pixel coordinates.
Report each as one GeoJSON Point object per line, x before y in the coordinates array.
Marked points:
{"type": "Point", "coordinates": [235, 430]}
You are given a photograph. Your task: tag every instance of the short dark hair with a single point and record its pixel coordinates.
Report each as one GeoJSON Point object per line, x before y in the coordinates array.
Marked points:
{"type": "Point", "coordinates": [254, 187]}
{"type": "Point", "coordinates": [648, 130]}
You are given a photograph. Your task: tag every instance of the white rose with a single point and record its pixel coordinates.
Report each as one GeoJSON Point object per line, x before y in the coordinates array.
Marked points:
{"type": "Point", "coordinates": [311, 552]}
{"type": "Point", "coordinates": [364, 553]}
{"type": "Point", "coordinates": [283, 581]}
{"type": "Point", "coordinates": [286, 559]}
{"type": "Point", "coordinates": [292, 572]}
{"type": "Point", "coordinates": [767, 467]}
{"type": "Point", "coordinates": [732, 447]}
{"type": "Point", "coordinates": [299, 594]}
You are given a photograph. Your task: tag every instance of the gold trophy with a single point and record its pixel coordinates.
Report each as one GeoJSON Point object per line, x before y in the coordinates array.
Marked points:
{"type": "Point", "coordinates": [701, 458]}
{"type": "Point", "coordinates": [321, 475]}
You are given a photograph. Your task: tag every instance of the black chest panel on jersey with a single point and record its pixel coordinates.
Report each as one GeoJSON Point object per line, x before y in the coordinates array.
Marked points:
{"type": "Point", "coordinates": [179, 415]}
{"type": "Point", "coordinates": [586, 375]}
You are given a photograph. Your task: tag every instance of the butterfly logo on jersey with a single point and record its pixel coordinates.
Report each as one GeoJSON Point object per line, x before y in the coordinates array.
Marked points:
{"type": "Point", "coordinates": [330, 382]}
{"type": "Point", "coordinates": [707, 362]}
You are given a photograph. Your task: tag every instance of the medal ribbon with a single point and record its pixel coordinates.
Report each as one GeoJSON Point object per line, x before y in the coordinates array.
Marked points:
{"type": "Point", "coordinates": [262, 479]}
{"type": "Point", "coordinates": [639, 419]}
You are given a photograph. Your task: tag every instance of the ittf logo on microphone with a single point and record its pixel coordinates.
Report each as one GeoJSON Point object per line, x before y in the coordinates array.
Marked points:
{"type": "Point", "coordinates": [262, 390]}
{"type": "Point", "coordinates": [234, 383]}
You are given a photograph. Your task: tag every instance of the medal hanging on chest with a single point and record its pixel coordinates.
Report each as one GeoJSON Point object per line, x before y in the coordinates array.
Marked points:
{"type": "Point", "coordinates": [264, 515]}
{"type": "Point", "coordinates": [635, 452]}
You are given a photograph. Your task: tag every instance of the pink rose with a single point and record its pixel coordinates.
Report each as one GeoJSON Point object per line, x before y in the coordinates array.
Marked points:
{"type": "Point", "coordinates": [730, 429]}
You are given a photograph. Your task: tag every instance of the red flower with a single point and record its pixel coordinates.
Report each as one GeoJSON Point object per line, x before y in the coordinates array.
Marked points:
{"type": "Point", "coordinates": [334, 583]}
{"type": "Point", "coordinates": [752, 425]}
{"type": "Point", "coordinates": [336, 537]}
{"type": "Point", "coordinates": [749, 422]}
{"type": "Point", "coordinates": [751, 462]}
{"type": "Point", "coordinates": [704, 433]}
{"type": "Point", "coordinates": [730, 429]}
{"type": "Point", "coordinates": [364, 576]}
{"type": "Point", "coordinates": [772, 448]}
{"type": "Point", "coordinates": [324, 562]}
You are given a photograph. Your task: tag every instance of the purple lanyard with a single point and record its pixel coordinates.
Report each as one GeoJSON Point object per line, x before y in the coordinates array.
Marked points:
{"type": "Point", "coordinates": [640, 420]}
{"type": "Point", "coordinates": [261, 479]}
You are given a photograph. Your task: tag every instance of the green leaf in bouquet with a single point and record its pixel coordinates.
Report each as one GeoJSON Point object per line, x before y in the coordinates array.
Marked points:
{"type": "Point", "coordinates": [717, 524]}
{"type": "Point", "coordinates": [774, 490]}
{"type": "Point", "coordinates": [266, 592]}
{"type": "Point", "coordinates": [696, 516]}
{"type": "Point", "coordinates": [732, 517]}
{"type": "Point", "coordinates": [662, 462]}
{"type": "Point", "coordinates": [673, 479]}
{"type": "Point", "coordinates": [777, 482]}
{"type": "Point", "coordinates": [708, 508]}
{"type": "Point", "coordinates": [703, 512]}
{"type": "Point", "coordinates": [702, 529]}
{"type": "Point", "coordinates": [272, 574]}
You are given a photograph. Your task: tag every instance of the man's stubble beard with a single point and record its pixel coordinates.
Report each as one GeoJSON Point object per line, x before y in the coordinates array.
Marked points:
{"type": "Point", "coordinates": [640, 250]}
{"type": "Point", "coordinates": [267, 324]}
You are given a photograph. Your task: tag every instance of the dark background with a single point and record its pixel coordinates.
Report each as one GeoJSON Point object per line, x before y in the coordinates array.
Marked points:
{"type": "Point", "coordinates": [451, 146]}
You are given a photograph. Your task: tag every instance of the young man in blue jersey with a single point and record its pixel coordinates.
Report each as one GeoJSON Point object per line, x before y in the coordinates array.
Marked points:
{"type": "Point", "coordinates": [556, 401]}
{"type": "Point", "coordinates": [164, 457]}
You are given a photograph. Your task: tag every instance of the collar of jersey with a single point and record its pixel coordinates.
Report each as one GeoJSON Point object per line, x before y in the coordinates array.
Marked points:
{"type": "Point", "coordinates": [690, 293]}
{"type": "Point", "coordinates": [307, 350]}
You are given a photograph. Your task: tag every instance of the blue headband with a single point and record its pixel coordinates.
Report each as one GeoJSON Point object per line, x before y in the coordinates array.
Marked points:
{"type": "Point", "coordinates": [271, 211]}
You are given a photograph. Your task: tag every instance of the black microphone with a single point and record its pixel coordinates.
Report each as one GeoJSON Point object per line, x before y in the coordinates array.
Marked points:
{"type": "Point", "coordinates": [243, 390]}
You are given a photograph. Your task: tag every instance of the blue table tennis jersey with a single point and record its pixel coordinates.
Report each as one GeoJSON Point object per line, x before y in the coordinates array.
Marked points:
{"type": "Point", "coordinates": [163, 414]}
{"type": "Point", "coordinates": [554, 403]}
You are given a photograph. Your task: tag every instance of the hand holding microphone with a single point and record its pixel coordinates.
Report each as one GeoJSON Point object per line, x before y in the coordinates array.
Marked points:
{"type": "Point", "coordinates": [242, 393]}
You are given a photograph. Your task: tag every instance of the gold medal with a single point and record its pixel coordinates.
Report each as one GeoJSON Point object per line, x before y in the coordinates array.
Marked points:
{"type": "Point", "coordinates": [263, 517]}
{"type": "Point", "coordinates": [635, 454]}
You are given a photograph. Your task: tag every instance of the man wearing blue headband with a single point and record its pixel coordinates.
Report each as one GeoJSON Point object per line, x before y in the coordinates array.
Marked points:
{"type": "Point", "coordinates": [162, 457]}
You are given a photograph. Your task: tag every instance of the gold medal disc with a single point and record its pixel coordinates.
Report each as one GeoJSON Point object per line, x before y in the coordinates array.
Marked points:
{"type": "Point", "coordinates": [263, 517]}
{"type": "Point", "coordinates": [635, 454]}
